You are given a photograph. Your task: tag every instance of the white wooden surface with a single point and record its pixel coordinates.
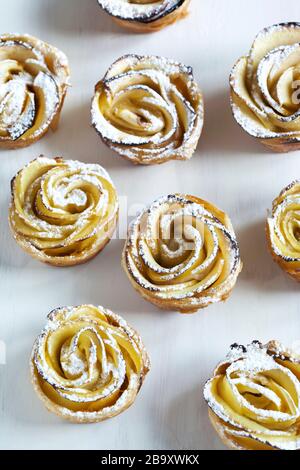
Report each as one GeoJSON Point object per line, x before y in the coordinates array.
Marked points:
{"type": "Point", "coordinates": [229, 169]}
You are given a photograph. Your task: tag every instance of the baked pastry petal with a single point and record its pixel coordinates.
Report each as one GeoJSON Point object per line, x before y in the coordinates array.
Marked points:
{"type": "Point", "coordinates": [34, 77]}
{"type": "Point", "coordinates": [265, 88]}
{"type": "Point", "coordinates": [254, 398]}
{"type": "Point", "coordinates": [88, 364]}
{"type": "Point", "coordinates": [182, 254]}
{"type": "Point", "coordinates": [283, 230]}
{"type": "Point", "coordinates": [149, 109]}
{"type": "Point", "coordinates": [63, 212]}
{"type": "Point", "coordinates": [146, 16]}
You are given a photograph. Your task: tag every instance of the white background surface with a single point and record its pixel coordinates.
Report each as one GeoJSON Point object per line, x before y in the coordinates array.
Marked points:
{"type": "Point", "coordinates": [229, 169]}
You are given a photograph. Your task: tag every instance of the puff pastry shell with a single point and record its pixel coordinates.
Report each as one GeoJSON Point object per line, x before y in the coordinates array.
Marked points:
{"type": "Point", "coordinates": [88, 364]}
{"type": "Point", "coordinates": [63, 212]}
{"type": "Point", "coordinates": [145, 16]}
{"type": "Point", "coordinates": [283, 230]}
{"type": "Point", "coordinates": [34, 78]}
{"type": "Point", "coordinates": [148, 109]}
{"type": "Point", "coordinates": [265, 88]}
{"type": "Point", "coordinates": [254, 398]}
{"type": "Point", "coordinates": [182, 254]}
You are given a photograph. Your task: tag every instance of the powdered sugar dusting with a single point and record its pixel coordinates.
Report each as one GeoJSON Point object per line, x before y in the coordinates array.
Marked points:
{"type": "Point", "coordinates": [140, 10]}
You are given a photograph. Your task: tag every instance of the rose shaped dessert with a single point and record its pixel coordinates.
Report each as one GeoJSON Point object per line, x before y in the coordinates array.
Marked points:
{"type": "Point", "coordinates": [149, 109]}
{"type": "Point", "coordinates": [182, 254]}
{"type": "Point", "coordinates": [265, 88]}
{"type": "Point", "coordinates": [145, 16]}
{"type": "Point", "coordinates": [34, 77]}
{"type": "Point", "coordinates": [88, 364]}
{"type": "Point", "coordinates": [254, 398]}
{"type": "Point", "coordinates": [63, 212]}
{"type": "Point", "coordinates": [283, 230]}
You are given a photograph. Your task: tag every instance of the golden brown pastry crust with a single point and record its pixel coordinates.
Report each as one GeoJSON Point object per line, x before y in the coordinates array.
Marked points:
{"type": "Point", "coordinates": [63, 212]}
{"type": "Point", "coordinates": [265, 88]}
{"type": "Point", "coordinates": [181, 254]}
{"type": "Point", "coordinates": [283, 234]}
{"type": "Point", "coordinates": [35, 78]}
{"type": "Point", "coordinates": [149, 110]}
{"type": "Point", "coordinates": [254, 398]}
{"type": "Point", "coordinates": [69, 380]}
{"type": "Point", "coordinates": [179, 14]}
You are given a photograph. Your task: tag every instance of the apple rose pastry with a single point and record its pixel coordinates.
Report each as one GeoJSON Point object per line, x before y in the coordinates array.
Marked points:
{"type": "Point", "coordinates": [265, 88]}
{"type": "Point", "coordinates": [148, 109]}
{"type": "Point", "coordinates": [63, 212]}
{"type": "Point", "coordinates": [34, 78]}
{"type": "Point", "coordinates": [145, 16]}
{"type": "Point", "coordinates": [254, 398]}
{"type": "Point", "coordinates": [88, 364]}
{"type": "Point", "coordinates": [283, 230]}
{"type": "Point", "coordinates": [182, 254]}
